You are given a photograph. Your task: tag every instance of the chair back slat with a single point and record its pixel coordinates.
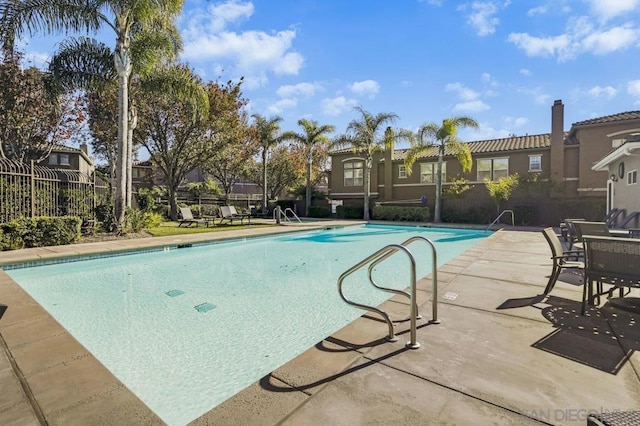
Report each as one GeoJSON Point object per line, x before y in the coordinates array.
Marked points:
{"type": "Point", "coordinates": [613, 260]}
{"type": "Point", "coordinates": [554, 242]}
{"type": "Point", "coordinates": [590, 228]}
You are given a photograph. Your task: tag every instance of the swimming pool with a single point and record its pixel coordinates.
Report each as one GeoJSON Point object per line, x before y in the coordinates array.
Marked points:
{"type": "Point", "coordinates": [185, 329]}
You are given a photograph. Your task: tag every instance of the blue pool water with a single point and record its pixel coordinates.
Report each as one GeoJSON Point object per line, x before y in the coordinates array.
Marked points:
{"type": "Point", "coordinates": [187, 328]}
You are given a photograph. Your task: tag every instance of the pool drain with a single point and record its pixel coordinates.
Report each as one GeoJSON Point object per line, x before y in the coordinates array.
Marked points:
{"type": "Point", "coordinates": [204, 307]}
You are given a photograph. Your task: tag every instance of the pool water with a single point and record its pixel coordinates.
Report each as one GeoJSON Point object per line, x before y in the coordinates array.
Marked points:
{"type": "Point", "coordinates": [185, 329]}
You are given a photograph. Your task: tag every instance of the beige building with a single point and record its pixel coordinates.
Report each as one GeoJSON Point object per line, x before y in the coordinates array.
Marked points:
{"type": "Point", "coordinates": [557, 167]}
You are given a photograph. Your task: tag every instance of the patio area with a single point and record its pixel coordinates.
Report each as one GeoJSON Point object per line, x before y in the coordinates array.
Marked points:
{"type": "Point", "coordinates": [501, 355]}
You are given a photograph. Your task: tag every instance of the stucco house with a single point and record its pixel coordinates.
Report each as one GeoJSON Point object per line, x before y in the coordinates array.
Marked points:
{"type": "Point", "coordinates": [621, 167]}
{"type": "Point", "coordinates": [64, 157]}
{"type": "Point", "coordinates": [557, 167]}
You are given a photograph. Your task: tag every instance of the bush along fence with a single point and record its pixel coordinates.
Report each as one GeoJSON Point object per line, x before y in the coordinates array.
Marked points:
{"type": "Point", "coordinates": [28, 190]}
{"type": "Point", "coordinates": [39, 232]}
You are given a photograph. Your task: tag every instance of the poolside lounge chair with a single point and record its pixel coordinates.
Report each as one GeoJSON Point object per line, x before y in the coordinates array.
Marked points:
{"type": "Point", "coordinates": [230, 213]}
{"type": "Point", "coordinates": [561, 259]}
{"type": "Point", "coordinates": [188, 219]}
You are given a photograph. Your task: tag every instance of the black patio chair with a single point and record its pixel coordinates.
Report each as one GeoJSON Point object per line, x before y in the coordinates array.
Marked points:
{"type": "Point", "coordinates": [561, 259]}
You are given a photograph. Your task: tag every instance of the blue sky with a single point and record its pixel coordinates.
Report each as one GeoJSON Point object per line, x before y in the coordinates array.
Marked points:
{"type": "Point", "coordinates": [501, 62]}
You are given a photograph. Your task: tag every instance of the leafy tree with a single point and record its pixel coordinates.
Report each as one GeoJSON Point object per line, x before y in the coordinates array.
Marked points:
{"type": "Point", "coordinates": [366, 137]}
{"type": "Point", "coordinates": [313, 135]}
{"type": "Point", "coordinates": [198, 189]}
{"type": "Point", "coordinates": [282, 170]}
{"type": "Point", "coordinates": [103, 125]}
{"type": "Point", "coordinates": [148, 20]}
{"type": "Point", "coordinates": [33, 117]}
{"type": "Point", "coordinates": [173, 132]}
{"type": "Point", "coordinates": [442, 137]}
{"type": "Point", "coordinates": [235, 138]}
{"type": "Point", "coordinates": [459, 186]}
{"type": "Point", "coordinates": [268, 136]}
{"type": "Point", "coordinates": [500, 190]}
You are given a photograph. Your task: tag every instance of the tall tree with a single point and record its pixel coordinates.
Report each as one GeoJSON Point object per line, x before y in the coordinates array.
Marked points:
{"type": "Point", "coordinates": [367, 136]}
{"type": "Point", "coordinates": [33, 115]}
{"type": "Point", "coordinates": [268, 136]}
{"type": "Point", "coordinates": [151, 19]}
{"type": "Point", "coordinates": [444, 137]}
{"type": "Point", "coordinates": [313, 135]}
{"type": "Point", "coordinates": [282, 170]}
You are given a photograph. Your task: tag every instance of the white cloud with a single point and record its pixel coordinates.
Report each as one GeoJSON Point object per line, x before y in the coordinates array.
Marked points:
{"type": "Point", "coordinates": [581, 36]}
{"type": "Point", "coordinates": [338, 105]}
{"type": "Point", "coordinates": [539, 46]}
{"type": "Point", "coordinates": [607, 9]}
{"type": "Point", "coordinates": [606, 92]}
{"type": "Point", "coordinates": [540, 10]}
{"type": "Point", "coordinates": [486, 77]}
{"type": "Point", "coordinates": [471, 106]}
{"type": "Point", "coordinates": [617, 38]}
{"type": "Point", "coordinates": [464, 92]}
{"type": "Point", "coordinates": [368, 88]}
{"type": "Point", "coordinates": [481, 17]}
{"type": "Point", "coordinates": [300, 89]}
{"type": "Point", "coordinates": [485, 132]}
{"type": "Point", "coordinates": [253, 54]}
{"type": "Point", "coordinates": [539, 97]}
{"type": "Point", "coordinates": [282, 104]}
{"type": "Point", "coordinates": [633, 88]}
{"type": "Point", "coordinates": [516, 121]}
{"type": "Point", "coordinates": [525, 72]}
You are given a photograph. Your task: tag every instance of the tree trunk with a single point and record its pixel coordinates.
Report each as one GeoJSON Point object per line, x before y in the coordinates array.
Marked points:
{"type": "Point", "coordinates": [308, 192]}
{"type": "Point", "coordinates": [367, 190]}
{"type": "Point", "coordinates": [173, 202]}
{"type": "Point", "coordinates": [122, 61]}
{"type": "Point", "coordinates": [436, 213]}
{"type": "Point", "coordinates": [133, 123]}
{"type": "Point", "coordinates": [265, 200]}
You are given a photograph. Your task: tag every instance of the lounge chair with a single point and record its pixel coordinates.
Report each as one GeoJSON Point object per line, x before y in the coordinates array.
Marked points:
{"type": "Point", "coordinates": [230, 214]}
{"type": "Point", "coordinates": [582, 227]}
{"type": "Point", "coordinates": [188, 219]}
{"type": "Point", "coordinates": [561, 259]}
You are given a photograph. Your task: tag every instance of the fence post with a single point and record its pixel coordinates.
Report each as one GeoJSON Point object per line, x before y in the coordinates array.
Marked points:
{"type": "Point", "coordinates": [33, 190]}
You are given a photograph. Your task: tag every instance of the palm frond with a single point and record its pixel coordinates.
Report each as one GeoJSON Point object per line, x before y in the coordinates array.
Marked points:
{"type": "Point", "coordinates": [83, 63]}
{"type": "Point", "coordinates": [178, 82]}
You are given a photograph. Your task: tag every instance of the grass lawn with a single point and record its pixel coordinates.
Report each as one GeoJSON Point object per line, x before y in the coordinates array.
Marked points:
{"type": "Point", "coordinates": [171, 228]}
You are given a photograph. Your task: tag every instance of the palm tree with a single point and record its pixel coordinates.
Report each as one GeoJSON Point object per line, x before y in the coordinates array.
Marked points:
{"type": "Point", "coordinates": [269, 136]}
{"type": "Point", "coordinates": [366, 137]}
{"type": "Point", "coordinates": [125, 18]}
{"type": "Point", "coordinates": [313, 135]}
{"type": "Point", "coordinates": [443, 137]}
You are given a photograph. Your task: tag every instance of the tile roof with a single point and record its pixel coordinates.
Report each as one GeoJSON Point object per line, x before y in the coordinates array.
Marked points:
{"type": "Point", "coordinates": [621, 116]}
{"type": "Point", "coordinates": [512, 143]}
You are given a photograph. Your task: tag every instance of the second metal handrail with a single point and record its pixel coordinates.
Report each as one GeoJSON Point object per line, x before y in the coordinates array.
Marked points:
{"type": "Point", "coordinates": [513, 222]}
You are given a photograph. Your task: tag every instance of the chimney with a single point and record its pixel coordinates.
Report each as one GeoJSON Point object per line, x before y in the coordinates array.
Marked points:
{"type": "Point", "coordinates": [84, 148]}
{"type": "Point", "coordinates": [557, 141]}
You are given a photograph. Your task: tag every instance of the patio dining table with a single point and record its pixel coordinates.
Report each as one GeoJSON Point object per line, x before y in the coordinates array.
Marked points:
{"type": "Point", "coordinates": [611, 260]}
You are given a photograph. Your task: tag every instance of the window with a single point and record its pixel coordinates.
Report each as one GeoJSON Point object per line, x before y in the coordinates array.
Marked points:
{"type": "Point", "coordinates": [53, 159]}
{"type": "Point", "coordinates": [535, 163]}
{"type": "Point", "coordinates": [428, 172]}
{"type": "Point", "coordinates": [632, 177]}
{"type": "Point", "coordinates": [402, 172]}
{"type": "Point", "coordinates": [353, 173]}
{"type": "Point", "coordinates": [493, 168]}
{"type": "Point", "coordinates": [64, 159]}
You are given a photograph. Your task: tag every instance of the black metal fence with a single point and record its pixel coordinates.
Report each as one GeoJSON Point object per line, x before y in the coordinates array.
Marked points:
{"type": "Point", "coordinates": [28, 190]}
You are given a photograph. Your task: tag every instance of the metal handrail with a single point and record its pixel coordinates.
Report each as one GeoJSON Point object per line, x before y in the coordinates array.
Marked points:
{"type": "Point", "coordinates": [383, 251]}
{"type": "Point", "coordinates": [513, 222]}
{"type": "Point", "coordinates": [288, 209]}
{"type": "Point", "coordinates": [434, 278]}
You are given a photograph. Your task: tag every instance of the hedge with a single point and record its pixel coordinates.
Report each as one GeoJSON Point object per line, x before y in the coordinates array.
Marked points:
{"type": "Point", "coordinates": [39, 232]}
{"type": "Point", "coordinates": [350, 212]}
{"type": "Point", "coordinates": [401, 213]}
{"type": "Point", "coordinates": [319, 211]}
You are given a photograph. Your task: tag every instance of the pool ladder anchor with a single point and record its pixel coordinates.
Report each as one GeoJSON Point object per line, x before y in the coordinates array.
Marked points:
{"type": "Point", "coordinates": [379, 257]}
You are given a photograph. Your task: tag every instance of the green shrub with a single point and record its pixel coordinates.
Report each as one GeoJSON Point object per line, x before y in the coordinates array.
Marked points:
{"type": "Point", "coordinates": [319, 211]}
{"type": "Point", "coordinates": [136, 220]}
{"type": "Point", "coordinates": [40, 232]}
{"type": "Point", "coordinates": [401, 213]}
{"type": "Point", "coordinates": [146, 200]}
{"type": "Point", "coordinates": [588, 208]}
{"type": "Point", "coordinates": [524, 215]}
{"type": "Point", "coordinates": [106, 217]}
{"type": "Point", "coordinates": [350, 212]}
{"type": "Point", "coordinates": [476, 215]}
{"type": "Point", "coordinates": [209, 210]}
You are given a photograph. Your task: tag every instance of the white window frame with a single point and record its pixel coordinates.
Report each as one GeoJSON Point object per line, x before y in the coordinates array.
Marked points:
{"type": "Point", "coordinates": [632, 177]}
{"type": "Point", "coordinates": [64, 160]}
{"type": "Point", "coordinates": [539, 163]}
{"type": "Point", "coordinates": [53, 159]}
{"type": "Point", "coordinates": [402, 171]}
{"type": "Point", "coordinates": [492, 169]}
{"type": "Point", "coordinates": [434, 168]}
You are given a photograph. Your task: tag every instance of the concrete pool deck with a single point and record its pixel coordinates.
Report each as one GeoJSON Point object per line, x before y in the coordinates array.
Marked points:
{"type": "Point", "coordinates": [500, 355]}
